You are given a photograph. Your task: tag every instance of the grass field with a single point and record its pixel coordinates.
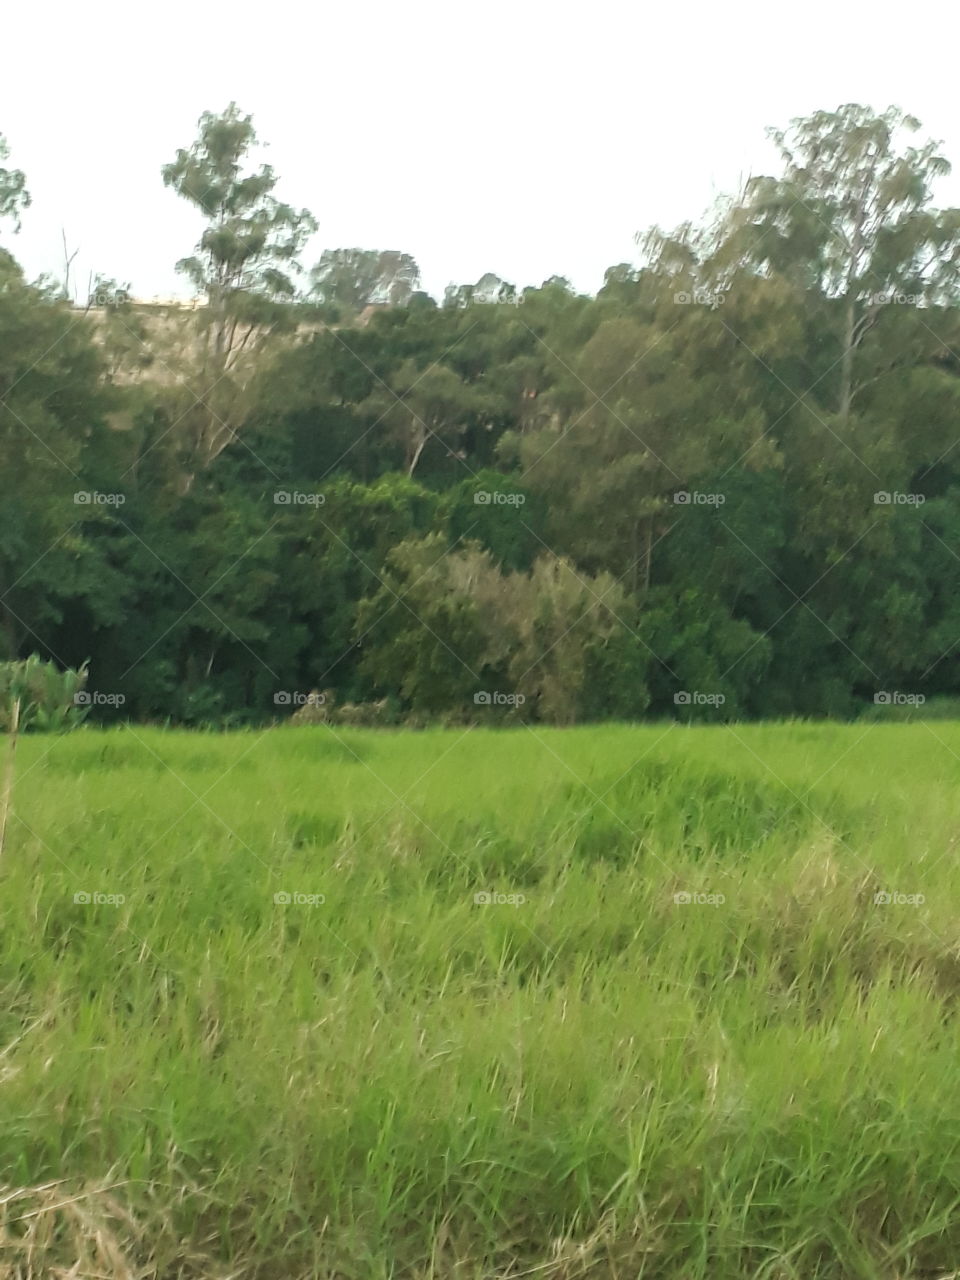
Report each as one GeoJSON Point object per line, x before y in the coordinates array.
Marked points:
{"type": "Point", "coordinates": [583, 1077]}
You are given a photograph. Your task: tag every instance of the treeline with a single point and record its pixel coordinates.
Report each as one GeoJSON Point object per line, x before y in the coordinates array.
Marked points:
{"type": "Point", "coordinates": [726, 486]}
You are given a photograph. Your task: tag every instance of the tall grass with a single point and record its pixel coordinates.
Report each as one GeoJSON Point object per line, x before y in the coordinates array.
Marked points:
{"type": "Point", "coordinates": [591, 1080]}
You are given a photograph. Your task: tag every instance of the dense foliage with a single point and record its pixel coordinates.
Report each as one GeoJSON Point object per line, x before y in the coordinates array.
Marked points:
{"type": "Point", "coordinates": [726, 486]}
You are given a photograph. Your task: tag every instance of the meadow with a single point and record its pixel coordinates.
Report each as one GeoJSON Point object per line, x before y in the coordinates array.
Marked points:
{"type": "Point", "coordinates": [609, 1002]}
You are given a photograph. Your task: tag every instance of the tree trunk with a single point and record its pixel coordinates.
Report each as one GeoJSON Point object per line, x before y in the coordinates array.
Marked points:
{"type": "Point", "coordinates": [418, 450]}
{"type": "Point", "coordinates": [846, 366]}
{"type": "Point", "coordinates": [850, 298]}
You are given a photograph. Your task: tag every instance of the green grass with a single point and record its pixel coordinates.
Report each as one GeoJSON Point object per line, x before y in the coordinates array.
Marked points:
{"type": "Point", "coordinates": [595, 1082]}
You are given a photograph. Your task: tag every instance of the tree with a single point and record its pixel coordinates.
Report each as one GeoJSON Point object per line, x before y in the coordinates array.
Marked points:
{"type": "Point", "coordinates": [14, 196]}
{"type": "Point", "coordinates": [55, 453]}
{"type": "Point", "coordinates": [652, 408]}
{"type": "Point", "coordinates": [419, 405]}
{"type": "Point", "coordinates": [423, 634]}
{"type": "Point", "coordinates": [244, 265]}
{"type": "Point", "coordinates": [708, 477]}
{"type": "Point", "coordinates": [448, 624]}
{"type": "Point", "coordinates": [510, 527]}
{"type": "Point", "coordinates": [546, 630]}
{"type": "Point", "coordinates": [849, 220]}
{"type": "Point", "coordinates": [351, 279]}
{"type": "Point", "coordinates": [121, 331]}
{"type": "Point", "coordinates": [489, 288]}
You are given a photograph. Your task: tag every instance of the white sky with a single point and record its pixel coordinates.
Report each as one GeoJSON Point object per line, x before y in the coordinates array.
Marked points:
{"type": "Point", "coordinates": [525, 137]}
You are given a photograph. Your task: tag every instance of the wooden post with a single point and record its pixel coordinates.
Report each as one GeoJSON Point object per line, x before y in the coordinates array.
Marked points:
{"type": "Point", "coordinates": [8, 771]}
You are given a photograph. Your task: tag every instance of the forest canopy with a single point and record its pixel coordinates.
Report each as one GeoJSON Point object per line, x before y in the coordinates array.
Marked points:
{"type": "Point", "coordinates": [725, 486]}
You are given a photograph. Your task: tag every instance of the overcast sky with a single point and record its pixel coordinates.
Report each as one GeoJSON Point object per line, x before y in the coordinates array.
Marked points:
{"type": "Point", "coordinates": [525, 137]}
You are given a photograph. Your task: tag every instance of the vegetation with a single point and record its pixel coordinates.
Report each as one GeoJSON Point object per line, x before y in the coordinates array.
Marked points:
{"type": "Point", "coordinates": [510, 995]}
{"type": "Point", "coordinates": [724, 487]}
{"type": "Point", "coordinates": [581, 1077]}
{"type": "Point", "coordinates": [34, 694]}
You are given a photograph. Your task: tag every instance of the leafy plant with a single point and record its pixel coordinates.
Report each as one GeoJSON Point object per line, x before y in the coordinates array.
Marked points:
{"type": "Point", "coordinates": [35, 694]}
